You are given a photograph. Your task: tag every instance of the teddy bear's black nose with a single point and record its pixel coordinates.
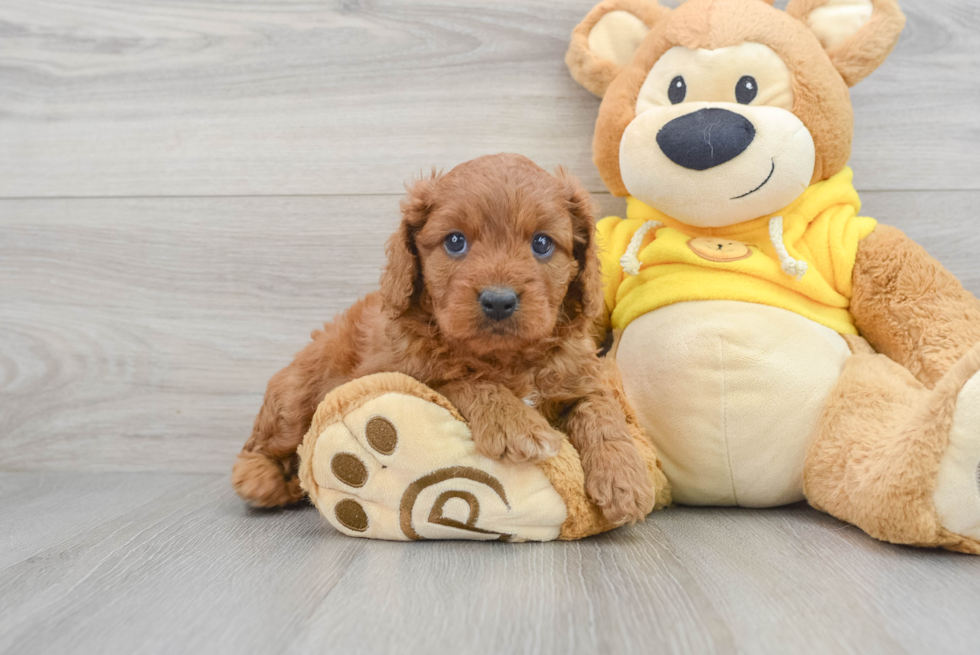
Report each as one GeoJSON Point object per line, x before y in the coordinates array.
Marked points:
{"type": "Point", "coordinates": [706, 138]}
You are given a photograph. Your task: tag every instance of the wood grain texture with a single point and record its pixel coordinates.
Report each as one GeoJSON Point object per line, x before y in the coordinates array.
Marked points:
{"type": "Point", "coordinates": [179, 97]}
{"type": "Point", "coordinates": [177, 565]}
{"type": "Point", "coordinates": [139, 334]}
{"type": "Point", "coordinates": [187, 188]}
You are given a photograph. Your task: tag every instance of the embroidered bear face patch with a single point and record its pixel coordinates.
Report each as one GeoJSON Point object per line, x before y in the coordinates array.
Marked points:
{"type": "Point", "coordinates": [719, 250]}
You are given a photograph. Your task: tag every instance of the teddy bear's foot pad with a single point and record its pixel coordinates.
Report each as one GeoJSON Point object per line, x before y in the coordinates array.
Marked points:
{"type": "Point", "coordinates": [400, 467]}
{"type": "Point", "coordinates": [957, 495]}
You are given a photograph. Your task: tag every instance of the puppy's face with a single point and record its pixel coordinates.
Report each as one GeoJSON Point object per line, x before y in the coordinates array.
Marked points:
{"type": "Point", "coordinates": [502, 252]}
{"type": "Point", "coordinates": [497, 263]}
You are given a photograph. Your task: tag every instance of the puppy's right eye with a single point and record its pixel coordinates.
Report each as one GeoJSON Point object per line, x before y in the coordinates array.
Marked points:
{"type": "Point", "coordinates": [677, 90]}
{"type": "Point", "coordinates": [542, 245]}
{"type": "Point", "coordinates": [456, 244]}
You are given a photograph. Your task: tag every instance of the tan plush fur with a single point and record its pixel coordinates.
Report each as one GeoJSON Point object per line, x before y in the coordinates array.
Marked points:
{"type": "Point", "coordinates": [592, 72]}
{"type": "Point", "coordinates": [820, 79]}
{"type": "Point", "coordinates": [427, 322]}
{"type": "Point", "coordinates": [874, 458]}
{"type": "Point", "coordinates": [863, 53]}
{"type": "Point", "coordinates": [911, 308]}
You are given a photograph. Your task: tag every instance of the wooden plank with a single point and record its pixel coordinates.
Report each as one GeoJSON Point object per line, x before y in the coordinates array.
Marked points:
{"type": "Point", "coordinates": [139, 334]}
{"type": "Point", "coordinates": [194, 571]}
{"type": "Point", "coordinates": [795, 580]}
{"type": "Point", "coordinates": [154, 97]}
{"type": "Point", "coordinates": [39, 511]}
{"type": "Point", "coordinates": [141, 331]}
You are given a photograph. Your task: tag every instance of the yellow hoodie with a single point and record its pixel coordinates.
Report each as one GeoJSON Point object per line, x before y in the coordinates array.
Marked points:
{"type": "Point", "coordinates": [800, 258]}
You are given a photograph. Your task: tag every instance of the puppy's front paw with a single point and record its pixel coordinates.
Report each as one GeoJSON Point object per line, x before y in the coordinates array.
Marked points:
{"type": "Point", "coordinates": [520, 442]}
{"type": "Point", "coordinates": [616, 479]}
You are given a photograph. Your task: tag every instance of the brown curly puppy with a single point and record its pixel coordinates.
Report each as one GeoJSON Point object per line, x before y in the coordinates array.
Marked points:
{"type": "Point", "coordinates": [490, 292]}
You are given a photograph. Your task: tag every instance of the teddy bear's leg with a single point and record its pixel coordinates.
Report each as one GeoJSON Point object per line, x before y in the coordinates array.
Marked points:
{"type": "Point", "coordinates": [898, 459]}
{"type": "Point", "coordinates": [909, 307]}
{"type": "Point", "coordinates": [388, 458]}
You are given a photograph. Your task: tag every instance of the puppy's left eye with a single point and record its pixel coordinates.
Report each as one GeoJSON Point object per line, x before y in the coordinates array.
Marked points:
{"type": "Point", "coordinates": [542, 245]}
{"type": "Point", "coordinates": [455, 244]}
{"type": "Point", "coordinates": [746, 90]}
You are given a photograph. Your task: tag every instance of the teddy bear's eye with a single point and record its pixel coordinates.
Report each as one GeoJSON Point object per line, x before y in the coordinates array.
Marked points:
{"type": "Point", "coordinates": [677, 91]}
{"type": "Point", "coordinates": [746, 90]}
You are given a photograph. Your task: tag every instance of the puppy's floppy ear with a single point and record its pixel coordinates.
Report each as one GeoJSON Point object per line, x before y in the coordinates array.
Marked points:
{"type": "Point", "coordinates": [605, 41]}
{"type": "Point", "coordinates": [857, 34]}
{"type": "Point", "coordinates": [401, 281]}
{"type": "Point", "coordinates": [586, 288]}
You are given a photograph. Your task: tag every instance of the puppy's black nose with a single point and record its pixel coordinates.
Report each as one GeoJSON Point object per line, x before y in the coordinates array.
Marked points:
{"type": "Point", "coordinates": [498, 304]}
{"type": "Point", "coordinates": [706, 138]}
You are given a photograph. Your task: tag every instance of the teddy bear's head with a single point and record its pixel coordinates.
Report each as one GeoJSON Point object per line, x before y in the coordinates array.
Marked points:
{"type": "Point", "coordinates": [721, 111]}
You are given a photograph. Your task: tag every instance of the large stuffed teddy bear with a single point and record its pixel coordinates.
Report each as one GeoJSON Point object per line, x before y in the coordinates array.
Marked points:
{"type": "Point", "coordinates": [774, 345]}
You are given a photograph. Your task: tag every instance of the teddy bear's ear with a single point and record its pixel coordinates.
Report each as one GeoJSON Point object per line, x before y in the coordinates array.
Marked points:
{"type": "Point", "coordinates": [857, 34]}
{"type": "Point", "coordinates": [605, 41]}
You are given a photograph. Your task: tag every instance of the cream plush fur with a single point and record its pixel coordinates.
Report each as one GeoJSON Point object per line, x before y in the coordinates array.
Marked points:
{"type": "Point", "coordinates": [747, 402]}
{"type": "Point", "coordinates": [388, 458]}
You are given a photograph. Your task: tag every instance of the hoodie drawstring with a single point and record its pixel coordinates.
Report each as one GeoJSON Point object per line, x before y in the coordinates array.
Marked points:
{"type": "Point", "coordinates": [790, 266]}
{"type": "Point", "coordinates": [631, 260]}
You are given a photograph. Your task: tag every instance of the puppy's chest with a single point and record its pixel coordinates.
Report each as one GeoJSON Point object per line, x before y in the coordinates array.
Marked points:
{"type": "Point", "coordinates": [537, 396]}
{"type": "Point", "coordinates": [531, 398]}
{"type": "Point", "coordinates": [524, 387]}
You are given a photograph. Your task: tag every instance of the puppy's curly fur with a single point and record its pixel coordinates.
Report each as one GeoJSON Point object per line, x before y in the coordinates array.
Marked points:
{"type": "Point", "coordinates": [427, 321]}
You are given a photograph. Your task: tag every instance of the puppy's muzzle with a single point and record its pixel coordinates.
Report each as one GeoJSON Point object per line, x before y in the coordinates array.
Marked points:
{"type": "Point", "coordinates": [498, 303]}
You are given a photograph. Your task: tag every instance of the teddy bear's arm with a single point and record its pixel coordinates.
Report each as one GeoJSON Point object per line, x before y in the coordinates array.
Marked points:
{"type": "Point", "coordinates": [909, 307]}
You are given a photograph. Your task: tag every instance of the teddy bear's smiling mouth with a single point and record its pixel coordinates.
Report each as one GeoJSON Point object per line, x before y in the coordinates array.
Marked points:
{"type": "Point", "coordinates": [760, 186]}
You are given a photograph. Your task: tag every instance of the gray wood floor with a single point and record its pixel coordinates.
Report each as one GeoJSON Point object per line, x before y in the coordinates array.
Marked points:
{"type": "Point", "coordinates": [188, 187]}
{"type": "Point", "coordinates": [172, 562]}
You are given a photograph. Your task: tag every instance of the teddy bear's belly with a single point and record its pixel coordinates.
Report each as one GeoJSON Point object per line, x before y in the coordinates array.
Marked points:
{"type": "Point", "coordinates": [730, 393]}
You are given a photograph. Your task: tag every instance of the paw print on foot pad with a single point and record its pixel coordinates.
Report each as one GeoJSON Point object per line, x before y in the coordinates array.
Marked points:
{"type": "Point", "coordinates": [400, 467]}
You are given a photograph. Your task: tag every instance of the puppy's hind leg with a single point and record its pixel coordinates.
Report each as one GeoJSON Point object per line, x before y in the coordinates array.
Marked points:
{"type": "Point", "coordinates": [265, 473]}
